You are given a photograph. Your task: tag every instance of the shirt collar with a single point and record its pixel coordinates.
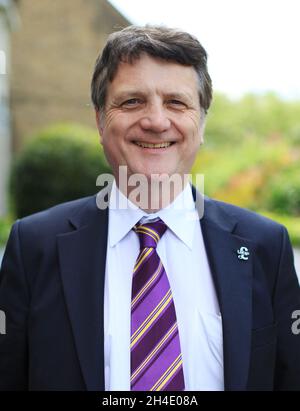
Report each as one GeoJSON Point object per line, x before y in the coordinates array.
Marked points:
{"type": "Point", "coordinates": [180, 216]}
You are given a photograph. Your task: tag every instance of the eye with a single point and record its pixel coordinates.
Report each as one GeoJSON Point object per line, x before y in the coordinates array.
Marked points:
{"type": "Point", "coordinates": [176, 103]}
{"type": "Point", "coordinates": [132, 102]}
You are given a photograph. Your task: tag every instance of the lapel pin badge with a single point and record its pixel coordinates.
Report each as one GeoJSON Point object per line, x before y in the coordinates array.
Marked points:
{"type": "Point", "coordinates": [243, 253]}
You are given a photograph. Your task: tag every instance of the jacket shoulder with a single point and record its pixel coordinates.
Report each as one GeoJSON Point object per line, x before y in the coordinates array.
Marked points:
{"type": "Point", "coordinates": [57, 218]}
{"type": "Point", "coordinates": [247, 223]}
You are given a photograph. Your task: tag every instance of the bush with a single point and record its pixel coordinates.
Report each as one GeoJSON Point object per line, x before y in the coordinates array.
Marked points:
{"type": "Point", "coordinates": [5, 227]}
{"type": "Point", "coordinates": [59, 164]}
{"type": "Point", "coordinates": [283, 192]}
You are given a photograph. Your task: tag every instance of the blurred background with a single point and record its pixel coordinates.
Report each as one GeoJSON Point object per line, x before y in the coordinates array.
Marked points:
{"type": "Point", "coordinates": [49, 150]}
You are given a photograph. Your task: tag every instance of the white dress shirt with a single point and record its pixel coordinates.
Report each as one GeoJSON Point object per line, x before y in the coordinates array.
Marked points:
{"type": "Point", "coordinates": [183, 255]}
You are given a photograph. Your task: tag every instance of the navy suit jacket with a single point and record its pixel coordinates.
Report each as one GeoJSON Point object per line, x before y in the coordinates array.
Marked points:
{"type": "Point", "coordinates": [52, 289]}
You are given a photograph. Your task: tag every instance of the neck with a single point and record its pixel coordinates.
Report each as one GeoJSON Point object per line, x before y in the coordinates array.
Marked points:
{"type": "Point", "coordinates": [153, 194]}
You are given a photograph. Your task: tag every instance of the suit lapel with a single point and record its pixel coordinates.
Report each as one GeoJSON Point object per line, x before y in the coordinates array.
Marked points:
{"type": "Point", "coordinates": [82, 255]}
{"type": "Point", "coordinates": [233, 281]}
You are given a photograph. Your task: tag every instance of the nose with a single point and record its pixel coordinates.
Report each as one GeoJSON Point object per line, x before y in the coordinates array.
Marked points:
{"type": "Point", "coordinates": [155, 119]}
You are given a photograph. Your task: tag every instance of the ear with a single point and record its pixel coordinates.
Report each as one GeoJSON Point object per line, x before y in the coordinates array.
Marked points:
{"type": "Point", "coordinates": [100, 123]}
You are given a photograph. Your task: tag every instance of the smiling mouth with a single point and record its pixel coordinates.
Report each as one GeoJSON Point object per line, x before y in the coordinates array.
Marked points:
{"type": "Point", "coordinates": [151, 145]}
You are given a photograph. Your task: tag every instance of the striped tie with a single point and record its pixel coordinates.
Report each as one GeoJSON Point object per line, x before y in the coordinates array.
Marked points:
{"type": "Point", "coordinates": [156, 361]}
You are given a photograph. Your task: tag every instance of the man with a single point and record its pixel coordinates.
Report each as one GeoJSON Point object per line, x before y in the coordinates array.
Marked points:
{"type": "Point", "coordinates": [147, 297]}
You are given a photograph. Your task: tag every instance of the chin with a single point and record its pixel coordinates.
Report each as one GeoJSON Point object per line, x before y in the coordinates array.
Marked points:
{"type": "Point", "coordinates": [155, 174]}
{"type": "Point", "coordinates": [151, 170]}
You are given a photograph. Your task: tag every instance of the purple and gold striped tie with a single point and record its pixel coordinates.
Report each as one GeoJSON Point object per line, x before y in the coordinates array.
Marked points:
{"type": "Point", "coordinates": [156, 361]}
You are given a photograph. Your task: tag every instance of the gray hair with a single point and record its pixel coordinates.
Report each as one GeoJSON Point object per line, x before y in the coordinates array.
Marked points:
{"type": "Point", "coordinates": [169, 44]}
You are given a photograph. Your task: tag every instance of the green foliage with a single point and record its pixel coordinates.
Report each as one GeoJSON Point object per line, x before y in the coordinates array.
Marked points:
{"type": "Point", "coordinates": [283, 191]}
{"type": "Point", "coordinates": [220, 164]}
{"type": "Point", "coordinates": [60, 163]}
{"type": "Point", "coordinates": [5, 226]}
{"type": "Point", "coordinates": [251, 154]}
{"type": "Point", "coordinates": [266, 117]}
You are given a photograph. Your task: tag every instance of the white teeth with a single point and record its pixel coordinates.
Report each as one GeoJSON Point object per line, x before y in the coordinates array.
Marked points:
{"type": "Point", "coordinates": [150, 145]}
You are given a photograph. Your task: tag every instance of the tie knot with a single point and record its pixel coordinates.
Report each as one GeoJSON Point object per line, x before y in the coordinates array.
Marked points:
{"type": "Point", "coordinates": [150, 233]}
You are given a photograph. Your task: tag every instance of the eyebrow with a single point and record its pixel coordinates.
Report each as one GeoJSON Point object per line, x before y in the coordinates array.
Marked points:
{"type": "Point", "coordinates": [128, 93]}
{"type": "Point", "coordinates": [137, 93]}
{"type": "Point", "coordinates": [179, 96]}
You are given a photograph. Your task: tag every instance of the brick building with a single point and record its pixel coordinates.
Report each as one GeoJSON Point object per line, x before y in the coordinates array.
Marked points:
{"type": "Point", "coordinates": [53, 54]}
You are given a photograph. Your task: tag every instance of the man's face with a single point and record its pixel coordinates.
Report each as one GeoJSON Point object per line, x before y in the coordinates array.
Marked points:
{"type": "Point", "coordinates": [152, 121]}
